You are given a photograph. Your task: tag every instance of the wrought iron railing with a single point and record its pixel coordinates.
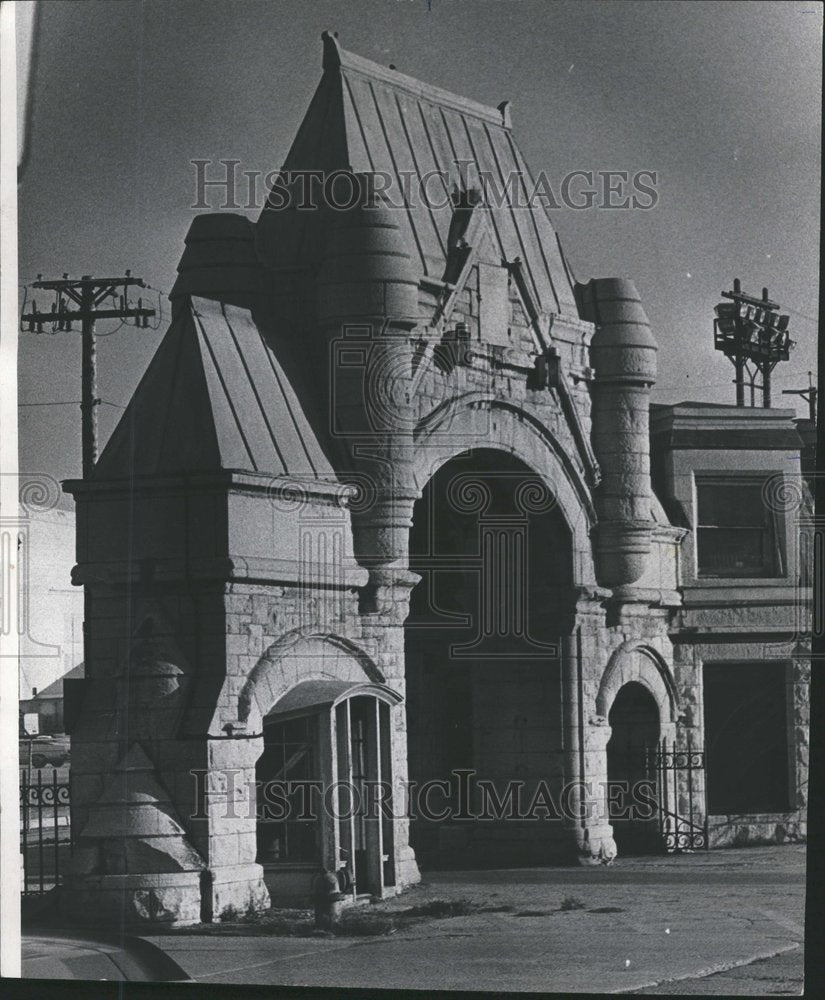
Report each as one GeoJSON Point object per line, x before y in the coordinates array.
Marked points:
{"type": "Point", "coordinates": [45, 834]}
{"type": "Point", "coordinates": [680, 830]}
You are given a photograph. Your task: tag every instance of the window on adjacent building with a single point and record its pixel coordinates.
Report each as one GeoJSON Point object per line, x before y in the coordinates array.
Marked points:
{"type": "Point", "coordinates": [735, 531]}
{"type": "Point", "coordinates": [746, 738]}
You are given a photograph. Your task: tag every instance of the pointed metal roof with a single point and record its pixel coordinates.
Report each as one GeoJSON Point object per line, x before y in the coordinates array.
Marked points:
{"type": "Point", "coordinates": [367, 118]}
{"type": "Point", "coordinates": [214, 397]}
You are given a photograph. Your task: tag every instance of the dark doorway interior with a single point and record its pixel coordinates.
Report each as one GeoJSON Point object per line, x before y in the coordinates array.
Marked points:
{"type": "Point", "coordinates": [634, 722]}
{"type": "Point", "coordinates": [746, 738]}
{"type": "Point", "coordinates": [482, 665]}
{"type": "Point", "coordinates": [290, 756]}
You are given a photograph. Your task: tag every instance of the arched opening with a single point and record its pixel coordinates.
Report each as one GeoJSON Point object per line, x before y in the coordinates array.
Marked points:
{"type": "Point", "coordinates": [324, 790]}
{"type": "Point", "coordinates": [635, 733]}
{"type": "Point", "coordinates": [482, 663]}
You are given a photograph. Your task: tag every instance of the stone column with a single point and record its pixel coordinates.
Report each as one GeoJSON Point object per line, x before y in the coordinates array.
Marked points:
{"type": "Point", "coordinates": [585, 736]}
{"type": "Point", "coordinates": [382, 541]}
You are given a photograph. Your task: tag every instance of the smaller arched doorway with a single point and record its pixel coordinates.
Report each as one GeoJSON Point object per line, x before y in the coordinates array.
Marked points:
{"type": "Point", "coordinates": [324, 784]}
{"type": "Point", "coordinates": [631, 752]}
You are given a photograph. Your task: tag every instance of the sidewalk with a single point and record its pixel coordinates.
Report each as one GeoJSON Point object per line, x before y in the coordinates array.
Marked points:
{"type": "Point", "coordinates": [633, 925]}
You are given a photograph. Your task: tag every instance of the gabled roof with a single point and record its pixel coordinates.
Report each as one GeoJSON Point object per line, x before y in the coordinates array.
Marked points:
{"type": "Point", "coordinates": [214, 397]}
{"type": "Point", "coordinates": [367, 118]}
{"type": "Point", "coordinates": [55, 689]}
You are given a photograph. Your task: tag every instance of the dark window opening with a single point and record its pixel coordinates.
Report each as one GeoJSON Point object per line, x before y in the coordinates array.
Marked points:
{"type": "Point", "coordinates": [289, 758]}
{"type": "Point", "coordinates": [735, 533]}
{"type": "Point", "coordinates": [746, 738]}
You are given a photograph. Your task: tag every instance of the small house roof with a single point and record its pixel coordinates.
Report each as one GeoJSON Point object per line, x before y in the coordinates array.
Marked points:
{"type": "Point", "coordinates": [54, 691]}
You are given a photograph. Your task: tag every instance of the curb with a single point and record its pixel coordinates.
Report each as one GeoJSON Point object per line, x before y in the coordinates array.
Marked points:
{"type": "Point", "coordinates": [712, 970]}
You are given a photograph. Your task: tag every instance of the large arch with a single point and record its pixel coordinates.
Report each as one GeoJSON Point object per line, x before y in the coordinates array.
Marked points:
{"type": "Point", "coordinates": [636, 661]}
{"type": "Point", "coordinates": [480, 420]}
{"type": "Point", "coordinates": [494, 555]}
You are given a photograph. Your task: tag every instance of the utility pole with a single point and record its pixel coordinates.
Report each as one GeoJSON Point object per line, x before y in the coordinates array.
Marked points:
{"type": "Point", "coordinates": [89, 296]}
{"type": "Point", "coordinates": [809, 395]}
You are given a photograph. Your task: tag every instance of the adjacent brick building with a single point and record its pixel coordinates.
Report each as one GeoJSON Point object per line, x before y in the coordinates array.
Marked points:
{"type": "Point", "coordinates": [390, 504]}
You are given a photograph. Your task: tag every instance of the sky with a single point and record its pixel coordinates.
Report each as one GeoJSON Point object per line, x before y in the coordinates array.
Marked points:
{"type": "Point", "coordinates": [721, 100]}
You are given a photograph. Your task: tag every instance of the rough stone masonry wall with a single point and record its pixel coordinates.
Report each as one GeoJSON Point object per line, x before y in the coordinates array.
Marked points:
{"type": "Point", "coordinates": [124, 702]}
{"type": "Point", "coordinates": [258, 617]}
{"type": "Point", "coordinates": [614, 655]}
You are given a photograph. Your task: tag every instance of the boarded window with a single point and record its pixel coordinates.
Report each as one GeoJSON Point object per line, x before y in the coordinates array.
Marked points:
{"type": "Point", "coordinates": [735, 534]}
{"type": "Point", "coordinates": [746, 738]}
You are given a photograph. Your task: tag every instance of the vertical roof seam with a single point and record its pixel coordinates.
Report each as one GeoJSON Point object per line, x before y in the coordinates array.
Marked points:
{"type": "Point", "coordinates": [228, 397]}
{"type": "Point", "coordinates": [418, 174]}
{"type": "Point", "coordinates": [270, 354]}
{"type": "Point", "coordinates": [254, 388]}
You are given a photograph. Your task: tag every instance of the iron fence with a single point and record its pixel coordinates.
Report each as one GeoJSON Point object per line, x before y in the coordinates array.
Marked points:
{"type": "Point", "coordinates": [45, 834]}
{"type": "Point", "coordinates": [683, 821]}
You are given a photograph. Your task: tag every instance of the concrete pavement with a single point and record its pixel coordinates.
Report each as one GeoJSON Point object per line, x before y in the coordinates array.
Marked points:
{"type": "Point", "coordinates": [631, 926]}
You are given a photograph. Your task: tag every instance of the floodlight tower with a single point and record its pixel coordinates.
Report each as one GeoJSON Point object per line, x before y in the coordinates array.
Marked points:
{"type": "Point", "coordinates": [753, 334]}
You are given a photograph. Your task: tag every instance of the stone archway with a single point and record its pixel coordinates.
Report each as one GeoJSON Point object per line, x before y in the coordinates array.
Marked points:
{"type": "Point", "coordinates": [301, 655]}
{"type": "Point", "coordinates": [479, 420]}
{"type": "Point", "coordinates": [495, 556]}
{"type": "Point", "coordinates": [634, 661]}
{"type": "Point", "coordinates": [637, 693]}
{"type": "Point", "coordinates": [635, 731]}
{"type": "Point", "coordinates": [304, 674]}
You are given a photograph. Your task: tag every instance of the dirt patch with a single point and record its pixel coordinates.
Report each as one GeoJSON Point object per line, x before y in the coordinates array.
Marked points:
{"type": "Point", "coordinates": [368, 921]}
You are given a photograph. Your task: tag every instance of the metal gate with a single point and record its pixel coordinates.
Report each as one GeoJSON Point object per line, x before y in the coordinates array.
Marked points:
{"type": "Point", "coordinates": [683, 821]}
{"type": "Point", "coordinates": [45, 834]}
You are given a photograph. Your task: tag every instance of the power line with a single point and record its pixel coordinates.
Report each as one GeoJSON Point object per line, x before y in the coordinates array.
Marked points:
{"type": "Point", "coordinates": [73, 402]}
{"type": "Point", "coordinates": [787, 377]}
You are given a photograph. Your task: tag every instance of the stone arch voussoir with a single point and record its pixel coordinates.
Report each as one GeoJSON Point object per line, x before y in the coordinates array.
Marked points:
{"type": "Point", "coordinates": [478, 420]}
{"type": "Point", "coordinates": [640, 663]}
{"type": "Point", "coordinates": [301, 655]}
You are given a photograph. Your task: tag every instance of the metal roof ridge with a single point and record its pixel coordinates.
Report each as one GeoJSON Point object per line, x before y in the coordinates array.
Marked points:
{"type": "Point", "coordinates": [336, 57]}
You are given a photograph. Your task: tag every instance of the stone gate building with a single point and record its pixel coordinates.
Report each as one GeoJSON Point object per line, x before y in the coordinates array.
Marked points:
{"type": "Point", "coordinates": [390, 504]}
